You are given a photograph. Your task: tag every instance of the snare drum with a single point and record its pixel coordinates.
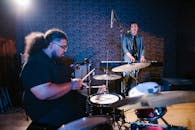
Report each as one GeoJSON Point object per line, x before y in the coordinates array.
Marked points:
{"type": "Point", "coordinates": [89, 123]}
{"type": "Point", "coordinates": [101, 103]}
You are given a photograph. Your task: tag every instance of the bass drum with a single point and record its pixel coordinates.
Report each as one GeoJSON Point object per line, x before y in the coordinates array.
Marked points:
{"type": "Point", "coordinates": [89, 123]}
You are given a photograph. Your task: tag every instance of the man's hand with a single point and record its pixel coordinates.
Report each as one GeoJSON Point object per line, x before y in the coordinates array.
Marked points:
{"type": "Point", "coordinates": [142, 59]}
{"type": "Point", "coordinates": [76, 84]}
{"type": "Point", "coordinates": [132, 59]}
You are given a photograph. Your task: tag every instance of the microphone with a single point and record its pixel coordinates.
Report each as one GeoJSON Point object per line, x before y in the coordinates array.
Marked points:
{"type": "Point", "coordinates": [85, 61]}
{"type": "Point", "coordinates": [112, 19]}
{"type": "Point", "coordinates": [128, 31]}
{"type": "Point", "coordinates": [76, 65]}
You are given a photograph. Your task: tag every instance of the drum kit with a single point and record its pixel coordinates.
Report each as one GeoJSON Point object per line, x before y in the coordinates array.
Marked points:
{"type": "Point", "coordinates": [107, 109]}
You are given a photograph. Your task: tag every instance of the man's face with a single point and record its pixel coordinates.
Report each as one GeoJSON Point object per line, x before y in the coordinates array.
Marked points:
{"type": "Point", "coordinates": [134, 29]}
{"type": "Point", "coordinates": [59, 48]}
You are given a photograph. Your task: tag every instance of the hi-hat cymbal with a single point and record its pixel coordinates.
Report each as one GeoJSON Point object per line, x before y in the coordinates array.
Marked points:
{"type": "Point", "coordinates": [107, 77]}
{"type": "Point", "coordinates": [130, 67]}
{"type": "Point", "coordinates": [161, 99]}
{"type": "Point", "coordinates": [99, 86]}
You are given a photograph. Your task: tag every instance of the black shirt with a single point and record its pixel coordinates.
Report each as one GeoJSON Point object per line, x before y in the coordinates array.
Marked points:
{"type": "Point", "coordinates": [42, 69]}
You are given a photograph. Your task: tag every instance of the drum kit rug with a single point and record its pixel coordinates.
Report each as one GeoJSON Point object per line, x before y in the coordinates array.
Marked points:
{"type": "Point", "coordinates": [107, 109]}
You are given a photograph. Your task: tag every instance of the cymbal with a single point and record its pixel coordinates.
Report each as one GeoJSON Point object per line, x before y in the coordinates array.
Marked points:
{"type": "Point", "coordinates": [161, 99]}
{"type": "Point", "coordinates": [107, 77]}
{"type": "Point", "coordinates": [130, 67]}
{"type": "Point", "coordinates": [86, 123]}
{"type": "Point", "coordinates": [99, 86]}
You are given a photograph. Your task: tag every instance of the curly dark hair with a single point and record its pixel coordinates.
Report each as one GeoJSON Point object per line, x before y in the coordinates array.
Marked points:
{"type": "Point", "coordinates": [35, 42]}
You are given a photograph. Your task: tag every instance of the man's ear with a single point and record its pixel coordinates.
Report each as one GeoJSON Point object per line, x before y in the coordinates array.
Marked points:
{"type": "Point", "coordinates": [50, 44]}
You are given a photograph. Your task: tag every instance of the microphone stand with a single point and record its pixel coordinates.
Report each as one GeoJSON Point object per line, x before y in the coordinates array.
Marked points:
{"type": "Point", "coordinates": [123, 31]}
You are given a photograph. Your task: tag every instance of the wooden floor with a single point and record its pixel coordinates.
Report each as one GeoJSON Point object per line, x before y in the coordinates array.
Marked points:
{"type": "Point", "coordinates": [178, 115]}
{"type": "Point", "coordinates": [14, 120]}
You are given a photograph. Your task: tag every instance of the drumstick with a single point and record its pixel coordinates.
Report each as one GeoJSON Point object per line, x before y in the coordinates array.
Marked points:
{"type": "Point", "coordinates": [88, 74]}
{"type": "Point", "coordinates": [84, 84]}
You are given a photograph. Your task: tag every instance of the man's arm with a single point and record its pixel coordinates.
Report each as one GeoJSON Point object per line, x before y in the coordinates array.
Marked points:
{"type": "Point", "coordinates": [49, 91]}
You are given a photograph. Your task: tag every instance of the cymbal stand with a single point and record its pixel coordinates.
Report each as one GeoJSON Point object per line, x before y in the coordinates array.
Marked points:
{"type": "Point", "coordinates": [88, 104]}
{"type": "Point", "coordinates": [106, 71]}
{"type": "Point", "coordinates": [135, 76]}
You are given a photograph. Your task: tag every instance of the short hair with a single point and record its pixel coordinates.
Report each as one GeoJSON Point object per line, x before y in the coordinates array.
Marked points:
{"type": "Point", "coordinates": [54, 34]}
{"type": "Point", "coordinates": [133, 22]}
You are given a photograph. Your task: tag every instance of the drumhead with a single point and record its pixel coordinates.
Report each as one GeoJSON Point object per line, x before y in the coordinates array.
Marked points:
{"type": "Point", "coordinates": [144, 88]}
{"type": "Point", "coordinates": [105, 98]}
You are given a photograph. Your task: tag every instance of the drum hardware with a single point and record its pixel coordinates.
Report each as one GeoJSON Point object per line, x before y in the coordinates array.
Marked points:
{"type": "Point", "coordinates": [150, 107]}
{"type": "Point", "coordinates": [100, 104]}
{"type": "Point", "coordinates": [129, 70]}
{"type": "Point", "coordinates": [107, 77]}
{"type": "Point", "coordinates": [86, 91]}
{"type": "Point", "coordinates": [151, 115]}
{"type": "Point", "coordinates": [148, 114]}
{"type": "Point", "coordinates": [149, 126]}
{"type": "Point", "coordinates": [101, 101]}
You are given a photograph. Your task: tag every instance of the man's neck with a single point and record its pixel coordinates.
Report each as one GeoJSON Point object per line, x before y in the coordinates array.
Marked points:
{"type": "Point", "coordinates": [47, 52]}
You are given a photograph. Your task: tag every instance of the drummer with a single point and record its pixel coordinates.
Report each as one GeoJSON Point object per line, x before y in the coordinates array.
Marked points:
{"type": "Point", "coordinates": [133, 49]}
{"type": "Point", "coordinates": [50, 97]}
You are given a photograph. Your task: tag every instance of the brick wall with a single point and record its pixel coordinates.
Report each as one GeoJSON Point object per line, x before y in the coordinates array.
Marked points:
{"type": "Point", "coordinates": [87, 25]}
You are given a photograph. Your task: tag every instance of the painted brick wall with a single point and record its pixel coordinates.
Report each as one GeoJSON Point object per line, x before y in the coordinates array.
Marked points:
{"type": "Point", "coordinates": [87, 24]}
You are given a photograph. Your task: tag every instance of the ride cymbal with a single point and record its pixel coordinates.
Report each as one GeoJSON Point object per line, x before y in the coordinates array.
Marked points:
{"type": "Point", "coordinates": [130, 67]}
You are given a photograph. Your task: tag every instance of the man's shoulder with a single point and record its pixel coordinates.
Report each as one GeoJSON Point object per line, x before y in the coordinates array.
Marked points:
{"type": "Point", "coordinates": [128, 35]}
{"type": "Point", "coordinates": [40, 56]}
{"type": "Point", "coordinates": [139, 36]}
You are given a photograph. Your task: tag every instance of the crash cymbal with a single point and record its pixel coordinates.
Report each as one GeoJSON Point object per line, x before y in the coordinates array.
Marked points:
{"type": "Point", "coordinates": [161, 99]}
{"type": "Point", "coordinates": [126, 101]}
{"type": "Point", "coordinates": [130, 67]}
{"type": "Point", "coordinates": [107, 77]}
{"type": "Point", "coordinates": [88, 123]}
